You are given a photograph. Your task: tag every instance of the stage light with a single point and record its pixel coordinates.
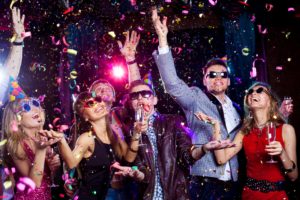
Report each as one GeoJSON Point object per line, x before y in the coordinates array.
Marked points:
{"type": "Point", "coordinates": [118, 71]}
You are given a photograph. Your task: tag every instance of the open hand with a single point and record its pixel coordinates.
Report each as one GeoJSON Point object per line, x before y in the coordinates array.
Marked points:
{"type": "Point", "coordinates": [128, 49]}
{"type": "Point", "coordinates": [18, 23]}
{"type": "Point", "coordinates": [161, 28]}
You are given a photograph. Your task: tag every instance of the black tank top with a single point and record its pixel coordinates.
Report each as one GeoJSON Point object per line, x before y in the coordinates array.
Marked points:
{"type": "Point", "coordinates": [96, 171]}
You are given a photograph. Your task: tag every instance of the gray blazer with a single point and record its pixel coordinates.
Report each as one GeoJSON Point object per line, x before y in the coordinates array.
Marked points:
{"type": "Point", "coordinates": [191, 100]}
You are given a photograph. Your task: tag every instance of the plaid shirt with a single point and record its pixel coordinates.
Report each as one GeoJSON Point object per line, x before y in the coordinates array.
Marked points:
{"type": "Point", "coordinates": [158, 191]}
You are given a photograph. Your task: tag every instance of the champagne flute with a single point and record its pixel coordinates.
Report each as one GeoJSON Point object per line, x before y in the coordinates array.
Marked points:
{"type": "Point", "coordinates": [139, 117]}
{"type": "Point", "coordinates": [271, 134]}
{"type": "Point", "coordinates": [50, 153]}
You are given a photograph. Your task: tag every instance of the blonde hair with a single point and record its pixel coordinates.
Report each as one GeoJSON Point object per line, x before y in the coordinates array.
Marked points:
{"type": "Point", "coordinates": [12, 130]}
{"type": "Point", "coordinates": [274, 114]}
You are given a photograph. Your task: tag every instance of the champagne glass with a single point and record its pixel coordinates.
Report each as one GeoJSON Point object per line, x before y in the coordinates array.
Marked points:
{"type": "Point", "coordinates": [50, 153]}
{"type": "Point", "coordinates": [139, 117]}
{"type": "Point", "coordinates": [271, 135]}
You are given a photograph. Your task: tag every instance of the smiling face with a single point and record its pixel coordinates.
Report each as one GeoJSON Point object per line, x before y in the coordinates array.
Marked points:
{"type": "Point", "coordinates": [90, 108]}
{"type": "Point", "coordinates": [216, 84]}
{"type": "Point", "coordinates": [258, 98]}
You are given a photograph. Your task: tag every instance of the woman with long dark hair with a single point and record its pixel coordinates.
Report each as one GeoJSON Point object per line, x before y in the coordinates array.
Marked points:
{"type": "Point", "coordinates": [96, 148]}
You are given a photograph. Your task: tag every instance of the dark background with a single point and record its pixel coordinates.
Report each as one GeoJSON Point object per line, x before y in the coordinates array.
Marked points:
{"type": "Point", "coordinates": [194, 38]}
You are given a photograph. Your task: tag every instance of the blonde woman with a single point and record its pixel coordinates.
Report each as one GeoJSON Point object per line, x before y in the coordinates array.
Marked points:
{"type": "Point", "coordinates": [265, 179]}
{"type": "Point", "coordinates": [26, 150]}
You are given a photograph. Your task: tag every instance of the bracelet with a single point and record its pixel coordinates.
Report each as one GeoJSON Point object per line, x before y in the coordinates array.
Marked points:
{"type": "Point", "coordinates": [132, 150]}
{"type": "Point", "coordinates": [18, 43]}
{"type": "Point", "coordinates": [290, 169]}
{"type": "Point", "coordinates": [131, 62]}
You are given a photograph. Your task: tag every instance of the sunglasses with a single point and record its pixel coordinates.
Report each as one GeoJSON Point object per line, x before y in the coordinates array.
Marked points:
{"type": "Point", "coordinates": [213, 74]}
{"type": "Point", "coordinates": [92, 102]}
{"type": "Point", "coordinates": [143, 93]}
{"type": "Point", "coordinates": [27, 104]}
{"type": "Point", "coordinates": [258, 91]}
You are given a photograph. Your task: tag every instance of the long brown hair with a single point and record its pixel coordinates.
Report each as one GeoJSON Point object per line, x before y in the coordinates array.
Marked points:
{"type": "Point", "coordinates": [274, 114]}
{"type": "Point", "coordinates": [82, 126]}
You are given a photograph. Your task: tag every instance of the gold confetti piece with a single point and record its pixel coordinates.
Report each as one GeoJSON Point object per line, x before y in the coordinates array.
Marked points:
{"type": "Point", "coordinates": [3, 142]}
{"type": "Point", "coordinates": [112, 34]}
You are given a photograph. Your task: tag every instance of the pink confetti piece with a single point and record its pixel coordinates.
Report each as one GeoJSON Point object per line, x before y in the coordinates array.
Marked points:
{"type": "Point", "coordinates": [140, 28]}
{"type": "Point", "coordinates": [168, 1]}
{"type": "Point", "coordinates": [21, 186]}
{"type": "Point", "coordinates": [27, 181]}
{"type": "Point", "coordinates": [291, 9]}
{"type": "Point", "coordinates": [68, 10]}
{"type": "Point", "coordinates": [185, 12]}
{"type": "Point", "coordinates": [76, 197]}
{"type": "Point", "coordinates": [26, 34]}
{"type": "Point", "coordinates": [253, 72]}
{"type": "Point", "coordinates": [133, 2]}
{"type": "Point", "coordinates": [65, 41]}
{"type": "Point", "coordinates": [213, 2]}
{"type": "Point", "coordinates": [56, 43]}
{"type": "Point", "coordinates": [279, 68]}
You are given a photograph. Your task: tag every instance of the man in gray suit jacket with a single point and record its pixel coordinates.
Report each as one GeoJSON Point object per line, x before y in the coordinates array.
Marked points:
{"type": "Point", "coordinates": [209, 180]}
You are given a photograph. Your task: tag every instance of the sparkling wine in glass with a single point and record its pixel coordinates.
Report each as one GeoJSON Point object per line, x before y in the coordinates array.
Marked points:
{"type": "Point", "coordinates": [139, 117]}
{"type": "Point", "coordinates": [271, 135]}
{"type": "Point", "coordinates": [50, 153]}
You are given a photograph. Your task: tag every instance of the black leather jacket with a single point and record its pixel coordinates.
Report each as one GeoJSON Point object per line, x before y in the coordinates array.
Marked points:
{"type": "Point", "coordinates": [174, 158]}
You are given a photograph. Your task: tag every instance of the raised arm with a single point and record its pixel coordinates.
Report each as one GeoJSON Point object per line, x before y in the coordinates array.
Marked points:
{"type": "Point", "coordinates": [128, 50]}
{"type": "Point", "coordinates": [14, 59]}
{"type": "Point", "coordinates": [178, 89]}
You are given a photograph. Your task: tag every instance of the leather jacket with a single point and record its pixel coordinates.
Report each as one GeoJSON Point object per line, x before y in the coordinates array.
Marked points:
{"type": "Point", "coordinates": [174, 158]}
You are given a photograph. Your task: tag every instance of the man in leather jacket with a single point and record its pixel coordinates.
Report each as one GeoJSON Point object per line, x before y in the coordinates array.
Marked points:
{"type": "Point", "coordinates": [165, 151]}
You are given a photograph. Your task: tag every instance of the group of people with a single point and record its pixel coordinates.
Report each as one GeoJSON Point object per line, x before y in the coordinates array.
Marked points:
{"type": "Point", "coordinates": [135, 152]}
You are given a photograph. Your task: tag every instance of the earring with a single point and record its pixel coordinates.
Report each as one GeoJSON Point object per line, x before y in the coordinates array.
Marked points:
{"type": "Point", "coordinates": [250, 116]}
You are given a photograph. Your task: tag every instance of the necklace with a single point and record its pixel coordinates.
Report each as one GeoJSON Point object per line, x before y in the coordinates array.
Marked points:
{"type": "Point", "coordinates": [261, 126]}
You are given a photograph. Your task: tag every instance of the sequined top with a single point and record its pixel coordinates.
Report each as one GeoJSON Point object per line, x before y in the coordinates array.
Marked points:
{"type": "Point", "coordinates": [39, 193]}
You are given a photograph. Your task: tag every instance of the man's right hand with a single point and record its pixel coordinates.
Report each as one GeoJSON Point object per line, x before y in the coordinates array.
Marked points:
{"type": "Point", "coordinates": [160, 28]}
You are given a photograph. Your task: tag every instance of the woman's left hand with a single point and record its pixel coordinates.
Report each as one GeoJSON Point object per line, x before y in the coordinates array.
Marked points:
{"type": "Point", "coordinates": [274, 148]}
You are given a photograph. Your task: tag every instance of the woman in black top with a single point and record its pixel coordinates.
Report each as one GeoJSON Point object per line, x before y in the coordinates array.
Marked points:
{"type": "Point", "coordinates": [96, 147]}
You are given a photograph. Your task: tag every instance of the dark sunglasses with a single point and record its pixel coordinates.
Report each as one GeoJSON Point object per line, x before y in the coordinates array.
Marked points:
{"type": "Point", "coordinates": [92, 102]}
{"type": "Point", "coordinates": [143, 93]}
{"type": "Point", "coordinates": [258, 91]}
{"type": "Point", "coordinates": [28, 103]}
{"type": "Point", "coordinates": [213, 74]}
